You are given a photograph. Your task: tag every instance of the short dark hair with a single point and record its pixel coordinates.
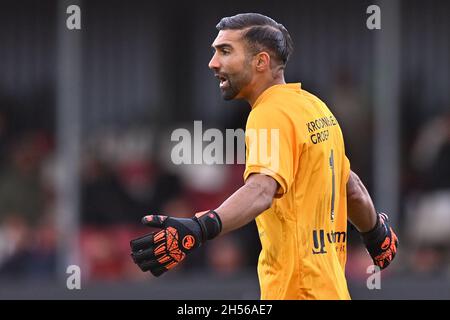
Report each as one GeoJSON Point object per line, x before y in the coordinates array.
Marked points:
{"type": "Point", "coordinates": [261, 33]}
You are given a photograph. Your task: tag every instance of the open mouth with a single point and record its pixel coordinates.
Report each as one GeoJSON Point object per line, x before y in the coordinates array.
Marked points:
{"type": "Point", "coordinates": [223, 81]}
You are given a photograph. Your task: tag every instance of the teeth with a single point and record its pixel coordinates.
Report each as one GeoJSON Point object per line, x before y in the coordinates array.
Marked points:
{"type": "Point", "coordinates": [222, 83]}
{"type": "Point", "coordinates": [222, 80]}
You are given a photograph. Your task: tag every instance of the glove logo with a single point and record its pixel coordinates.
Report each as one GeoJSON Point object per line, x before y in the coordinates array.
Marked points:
{"type": "Point", "coordinates": [188, 242]}
{"type": "Point", "coordinates": [386, 243]}
{"type": "Point", "coordinates": [381, 242]}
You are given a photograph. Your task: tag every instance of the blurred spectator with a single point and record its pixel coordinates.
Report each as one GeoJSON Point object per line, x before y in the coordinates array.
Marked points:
{"type": "Point", "coordinates": [27, 236]}
{"type": "Point", "coordinates": [226, 255]}
{"type": "Point", "coordinates": [430, 155]}
{"type": "Point", "coordinates": [428, 207]}
{"type": "Point", "coordinates": [21, 192]}
{"type": "Point", "coordinates": [169, 196]}
{"type": "Point", "coordinates": [3, 136]}
{"type": "Point", "coordinates": [351, 110]}
{"type": "Point", "coordinates": [102, 258]}
{"type": "Point", "coordinates": [104, 199]}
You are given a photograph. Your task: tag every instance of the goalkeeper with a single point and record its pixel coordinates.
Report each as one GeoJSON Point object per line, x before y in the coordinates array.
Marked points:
{"type": "Point", "coordinates": [301, 196]}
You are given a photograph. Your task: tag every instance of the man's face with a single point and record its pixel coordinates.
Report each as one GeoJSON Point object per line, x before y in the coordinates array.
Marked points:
{"type": "Point", "coordinates": [231, 63]}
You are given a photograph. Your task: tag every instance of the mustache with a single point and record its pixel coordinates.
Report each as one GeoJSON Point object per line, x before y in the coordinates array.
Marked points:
{"type": "Point", "coordinates": [220, 75]}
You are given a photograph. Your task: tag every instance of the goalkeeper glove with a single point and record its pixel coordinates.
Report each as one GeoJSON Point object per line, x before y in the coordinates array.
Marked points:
{"type": "Point", "coordinates": [381, 242]}
{"type": "Point", "coordinates": [160, 251]}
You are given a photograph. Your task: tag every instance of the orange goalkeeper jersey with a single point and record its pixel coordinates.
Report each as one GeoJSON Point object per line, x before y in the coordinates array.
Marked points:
{"type": "Point", "coordinates": [292, 136]}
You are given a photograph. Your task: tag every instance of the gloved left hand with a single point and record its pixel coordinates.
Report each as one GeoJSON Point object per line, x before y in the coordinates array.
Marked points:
{"type": "Point", "coordinates": [381, 242]}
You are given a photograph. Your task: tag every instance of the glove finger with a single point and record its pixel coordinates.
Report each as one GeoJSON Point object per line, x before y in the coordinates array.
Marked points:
{"type": "Point", "coordinates": [154, 220]}
{"type": "Point", "coordinates": [381, 263]}
{"type": "Point", "coordinates": [148, 241]}
{"type": "Point", "coordinates": [387, 261]}
{"type": "Point", "coordinates": [157, 271]}
{"type": "Point", "coordinates": [162, 265]}
{"type": "Point", "coordinates": [142, 243]}
{"type": "Point", "coordinates": [150, 265]}
{"type": "Point", "coordinates": [384, 264]}
{"type": "Point", "coordinates": [143, 255]}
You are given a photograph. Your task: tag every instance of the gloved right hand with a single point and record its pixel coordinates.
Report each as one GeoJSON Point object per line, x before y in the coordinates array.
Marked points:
{"type": "Point", "coordinates": [160, 251]}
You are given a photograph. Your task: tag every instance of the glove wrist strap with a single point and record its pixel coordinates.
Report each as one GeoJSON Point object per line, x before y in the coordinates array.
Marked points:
{"type": "Point", "coordinates": [210, 224]}
{"type": "Point", "coordinates": [378, 232]}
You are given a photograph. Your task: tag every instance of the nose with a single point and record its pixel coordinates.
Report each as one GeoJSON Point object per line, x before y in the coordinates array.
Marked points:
{"type": "Point", "coordinates": [214, 62]}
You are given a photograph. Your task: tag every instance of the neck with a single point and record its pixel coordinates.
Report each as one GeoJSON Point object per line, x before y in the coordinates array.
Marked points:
{"type": "Point", "coordinates": [259, 88]}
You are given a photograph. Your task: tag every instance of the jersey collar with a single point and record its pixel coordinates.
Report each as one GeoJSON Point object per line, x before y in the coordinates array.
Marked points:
{"type": "Point", "coordinates": [266, 93]}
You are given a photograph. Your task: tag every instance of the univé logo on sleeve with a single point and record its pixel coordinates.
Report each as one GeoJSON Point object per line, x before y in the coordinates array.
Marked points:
{"type": "Point", "coordinates": [321, 239]}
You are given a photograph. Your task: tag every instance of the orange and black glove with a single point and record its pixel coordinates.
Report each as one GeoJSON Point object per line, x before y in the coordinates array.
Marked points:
{"type": "Point", "coordinates": [160, 251]}
{"type": "Point", "coordinates": [381, 242]}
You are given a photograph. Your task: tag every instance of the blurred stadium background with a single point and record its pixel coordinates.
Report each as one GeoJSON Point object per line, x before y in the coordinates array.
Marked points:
{"type": "Point", "coordinates": [86, 117]}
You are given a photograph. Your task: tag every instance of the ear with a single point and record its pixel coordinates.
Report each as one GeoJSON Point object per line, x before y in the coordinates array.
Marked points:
{"type": "Point", "coordinates": [262, 61]}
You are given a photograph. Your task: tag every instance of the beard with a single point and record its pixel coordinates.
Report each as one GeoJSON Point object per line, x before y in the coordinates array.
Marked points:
{"type": "Point", "coordinates": [235, 83]}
